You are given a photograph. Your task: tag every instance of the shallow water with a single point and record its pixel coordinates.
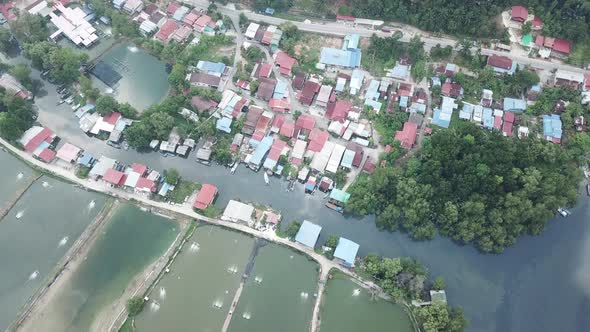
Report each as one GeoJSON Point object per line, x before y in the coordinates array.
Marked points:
{"type": "Point", "coordinates": [200, 277]}
{"type": "Point", "coordinates": [279, 293]}
{"type": "Point", "coordinates": [31, 246]}
{"type": "Point", "coordinates": [349, 308]}
{"type": "Point", "coordinates": [144, 82]}
{"type": "Point", "coordinates": [131, 241]}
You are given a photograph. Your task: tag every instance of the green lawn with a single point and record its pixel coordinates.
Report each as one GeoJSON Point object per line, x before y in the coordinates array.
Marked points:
{"type": "Point", "coordinates": [183, 190]}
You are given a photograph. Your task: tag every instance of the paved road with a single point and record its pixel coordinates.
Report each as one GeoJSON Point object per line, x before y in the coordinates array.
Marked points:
{"type": "Point", "coordinates": [340, 29]}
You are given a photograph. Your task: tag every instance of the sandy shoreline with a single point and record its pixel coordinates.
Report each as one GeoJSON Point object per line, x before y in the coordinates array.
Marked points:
{"type": "Point", "coordinates": [39, 308]}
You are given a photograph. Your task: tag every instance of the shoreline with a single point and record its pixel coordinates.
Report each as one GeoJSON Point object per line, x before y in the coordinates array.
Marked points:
{"type": "Point", "coordinates": [76, 255]}
{"type": "Point", "coordinates": [326, 265]}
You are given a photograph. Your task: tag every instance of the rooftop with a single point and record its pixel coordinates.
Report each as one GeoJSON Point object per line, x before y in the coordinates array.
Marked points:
{"type": "Point", "coordinates": [346, 251]}
{"type": "Point", "coordinates": [308, 234]}
{"type": "Point", "coordinates": [205, 196]}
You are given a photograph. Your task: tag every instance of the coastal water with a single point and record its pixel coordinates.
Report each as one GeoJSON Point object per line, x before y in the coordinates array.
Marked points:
{"type": "Point", "coordinates": [132, 240]}
{"type": "Point", "coordinates": [197, 292]}
{"type": "Point", "coordinates": [36, 234]}
{"type": "Point", "coordinates": [144, 79]}
{"type": "Point", "coordinates": [348, 307]}
{"type": "Point", "coordinates": [279, 293]}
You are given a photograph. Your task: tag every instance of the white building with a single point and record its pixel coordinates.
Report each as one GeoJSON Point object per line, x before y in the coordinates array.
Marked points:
{"type": "Point", "coordinates": [73, 25]}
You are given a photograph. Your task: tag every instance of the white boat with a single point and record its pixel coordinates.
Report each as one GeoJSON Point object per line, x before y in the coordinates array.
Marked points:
{"type": "Point", "coordinates": [266, 180]}
{"type": "Point", "coordinates": [234, 168]}
{"type": "Point", "coordinates": [564, 212]}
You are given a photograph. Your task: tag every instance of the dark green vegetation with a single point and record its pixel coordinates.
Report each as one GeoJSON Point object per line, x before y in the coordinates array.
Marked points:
{"type": "Point", "coordinates": [404, 279]}
{"type": "Point", "coordinates": [183, 190]}
{"type": "Point", "coordinates": [506, 86]}
{"type": "Point", "coordinates": [16, 116]}
{"type": "Point", "coordinates": [382, 53]}
{"type": "Point", "coordinates": [134, 306]}
{"type": "Point", "coordinates": [473, 186]}
{"type": "Point", "coordinates": [107, 104]}
{"type": "Point", "coordinates": [62, 63]}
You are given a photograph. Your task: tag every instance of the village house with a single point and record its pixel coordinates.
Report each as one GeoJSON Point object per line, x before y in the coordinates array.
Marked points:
{"type": "Point", "coordinates": [348, 56]}
{"type": "Point", "coordinates": [308, 234]}
{"type": "Point", "coordinates": [502, 64]}
{"type": "Point", "coordinates": [284, 62]}
{"type": "Point", "coordinates": [12, 85]}
{"type": "Point", "coordinates": [407, 136]}
{"type": "Point", "coordinates": [552, 128]}
{"type": "Point", "coordinates": [204, 80]}
{"type": "Point", "coordinates": [568, 78]}
{"type": "Point", "coordinates": [205, 196]}
{"type": "Point", "coordinates": [345, 253]}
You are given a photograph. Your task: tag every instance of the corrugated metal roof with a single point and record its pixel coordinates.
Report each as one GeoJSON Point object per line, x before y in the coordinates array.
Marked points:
{"type": "Point", "coordinates": [346, 251]}
{"type": "Point", "coordinates": [308, 234]}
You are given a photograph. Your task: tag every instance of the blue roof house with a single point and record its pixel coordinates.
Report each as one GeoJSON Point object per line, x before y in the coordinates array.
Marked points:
{"type": "Point", "coordinates": [466, 112]}
{"type": "Point", "coordinates": [213, 68]}
{"type": "Point", "coordinates": [442, 116]}
{"type": "Point", "coordinates": [308, 234]}
{"type": "Point", "coordinates": [261, 150]}
{"type": "Point", "coordinates": [351, 41]}
{"type": "Point", "coordinates": [346, 252]}
{"type": "Point", "coordinates": [87, 159]}
{"type": "Point", "coordinates": [280, 90]}
{"type": "Point", "coordinates": [552, 128]}
{"type": "Point", "coordinates": [488, 118]}
{"type": "Point", "coordinates": [350, 58]}
{"type": "Point", "coordinates": [514, 105]}
{"type": "Point", "coordinates": [224, 124]}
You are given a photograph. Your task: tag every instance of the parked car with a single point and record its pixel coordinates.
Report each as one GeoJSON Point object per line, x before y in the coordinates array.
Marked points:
{"type": "Point", "coordinates": [70, 100]}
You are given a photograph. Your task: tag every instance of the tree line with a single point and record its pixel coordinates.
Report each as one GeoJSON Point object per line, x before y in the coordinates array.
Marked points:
{"type": "Point", "coordinates": [473, 186]}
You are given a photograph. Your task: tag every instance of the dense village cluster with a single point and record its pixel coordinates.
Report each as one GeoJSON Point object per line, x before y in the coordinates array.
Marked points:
{"type": "Point", "coordinates": [327, 120]}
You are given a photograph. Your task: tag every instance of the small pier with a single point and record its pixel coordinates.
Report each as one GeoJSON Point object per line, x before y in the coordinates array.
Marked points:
{"type": "Point", "coordinates": [4, 210]}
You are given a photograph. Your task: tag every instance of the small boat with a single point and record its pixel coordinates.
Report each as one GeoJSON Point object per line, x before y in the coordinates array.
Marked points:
{"type": "Point", "coordinates": [234, 168]}
{"type": "Point", "coordinates": [266, 180]}
{"type": "Point", "coordinates": [564, 212]}
{"type": "Point", "coordinates": [588, 189]}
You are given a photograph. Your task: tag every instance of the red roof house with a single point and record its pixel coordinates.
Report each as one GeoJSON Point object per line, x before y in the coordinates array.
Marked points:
{"type": "Point", "coordinates": [539, 41]}
{"type": "Point", "coordinates": [191, 18]}
{"type": "Point", "coordinates": [453, 90]}
{"type": "Point", "coordinates": [500, 61]}
{"type": "Point", "coordinates": [305, 122]}
{"type": "Point", "coordinates": [497, 122]}
{"type": "Point", "coordinates": [519, 14]}
{"type": "Point", "coordinates": [407, 136]}
{"type": "Point", "coordinates": [279, 105]}
{"type": "Point", "coordinates": [264, 70]}
{"type": "Point", "coordinates": [345, 18]}
{"type": "Point", "coordinates": [36, 140]}
{"type": "Point", "coordinates": [205, 196]}
{"type": "Point", "coordinates": [587, 82]}
{"type": "Point", "coordinates": [139, 168]}
{"type": "Point", "coordinates": [114, 177]}
{"type": "Point", "coordinates": [112, 118]}
{"type": "Point", "coordinates": [287, 129]}
{"type": "Point", "coordinates": [172, 7]}
{"type": "Point", "coordinates": [277, 123]}
{"type": "Point", "coordinates": [317, 139]}
{"type": "Point", "coordinates": [276, 149]}
{"type": "Point", "coordinates": [369, 166]}
{"type": "Point", "coordinates": [338, 111]}
{"type": "Point", "coordinates": [285, 63]}
{"type": "Point", "coordinates": [537, 24]}
{"type": "Point", "coordinates": [310, 89]}
{"type": "Point", "coordinates": [166, 30]}
{"type": "Point", "coordinates": [47, 155]}
{"type": "Point", "coordinates": [145, 184]}
{"type": "Point", "coordinates": [562, 46]}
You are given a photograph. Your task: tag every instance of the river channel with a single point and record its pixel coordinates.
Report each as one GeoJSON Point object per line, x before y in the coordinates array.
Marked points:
{"type": "Point", "coordinates": [546, 277]}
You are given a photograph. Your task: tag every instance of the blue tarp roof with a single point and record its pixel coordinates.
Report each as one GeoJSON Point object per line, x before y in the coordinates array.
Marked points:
{"type": "Point", "coordinates": [441, 119]}
{"type": "Point", "coordinates": [488, 118]}
{"type": "Point", "coordinates": [164, 190]}
{"type": "Point", "coordinates": [552, 126]}
{"type": "Point", "coordinates": [400, 71]}
{"type": "Point", "coordinates": [342, 58]}
{"type": "Point", "coordinates": [403, 101]}
{"type": "Point", "coordinates": [280, 90]}
{"type": "Point", "coordinates": [269, 11]}
{"type": "Point", "coordinates": [211, 67]}
{"type": "Point", "coordinates": [261, 150]}
{"type": "Point", "coordinates": [86, 159]}
{"type": "Point", "coordinates": [308, 234]}
{"type": "Point", "coordinates": [351, 41]}
{"type": "Point", "coordinates": [224, 124]}
{"type": "Point", "coordinates": [466, 112]}
{"type": "Point", "coordinates": [514, 105]}
{"type": "Point", "coordinates": [346, 251]}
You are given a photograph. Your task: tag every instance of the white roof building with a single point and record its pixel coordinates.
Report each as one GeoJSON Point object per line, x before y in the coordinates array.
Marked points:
{"type": "Point", "coordinates": [72, 24]}
{"type": "Point", "coordinates": [251, 30]}
{"type": "Point", "coordinates": [238, 212]}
